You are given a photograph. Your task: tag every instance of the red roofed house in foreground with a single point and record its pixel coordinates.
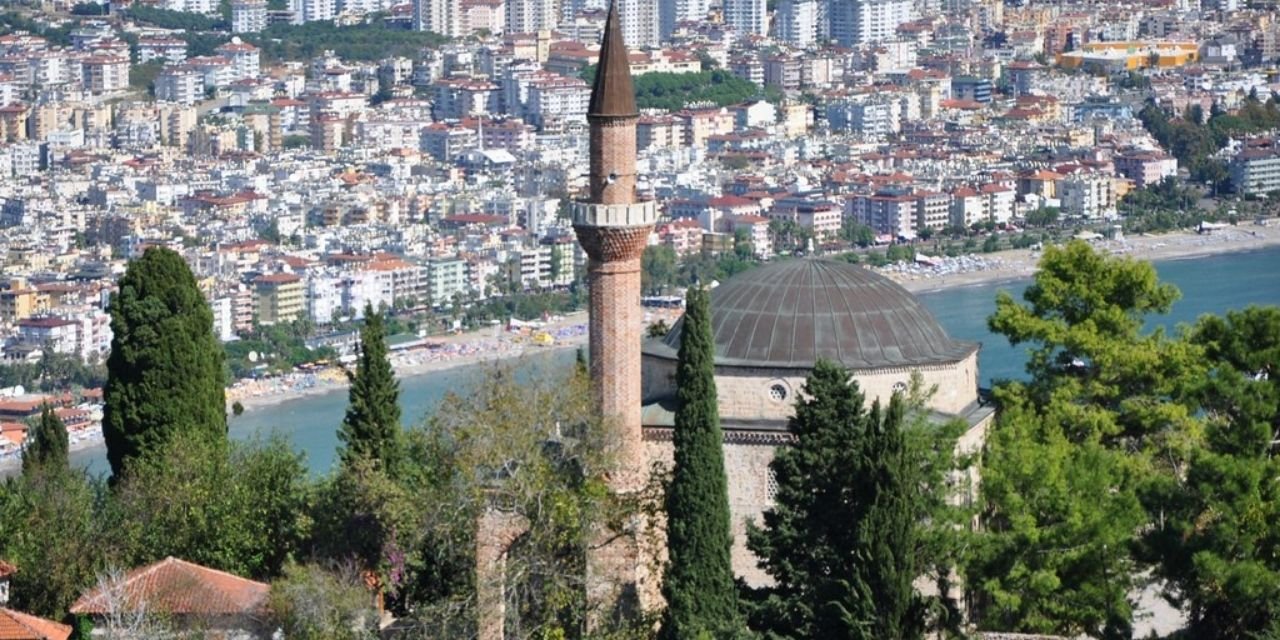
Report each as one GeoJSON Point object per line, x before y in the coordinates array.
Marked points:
{"type": "Point", "coordinates": [15, 625]}
{"type": "Point", "coordinates": [187, 595]}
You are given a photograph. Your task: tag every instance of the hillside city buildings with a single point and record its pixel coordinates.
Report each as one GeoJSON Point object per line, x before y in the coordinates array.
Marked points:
{"type": "Point", "coordinates": [306, 189]}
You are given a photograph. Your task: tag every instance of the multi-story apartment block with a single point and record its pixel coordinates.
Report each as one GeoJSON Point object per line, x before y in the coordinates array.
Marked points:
{"type": "Point", "coordinates": [217, 70]}
{"type": "Point", "coordinates": [933, 210]}
{"type": "Point", "coordinates": [641, 23]}
{"type": "Point", "coordinates": [313, 10]}
{"type": "Point", "coordinates": [888, 213]}
{"type": "Point", "coordinates": [1146, 168]}
{"type": "Point", "coordinates": [796, 22]}
{"type": "Point", "coordinates": [747, 17]}
{"type": "Point", "coordinates": [853, 22]}
{"type": "Point", "coordinates": [868, 116]}
{"type": "Point", "coordinates": [179, 83]}
{"type": "Point", "coordinates": [460, 98]}
{"type": "Point", "coordinates": [1256, 168]}
{"type": "Point", "coordinates": [1087, 195]}
{"type": "Point", "coordinates": [445, 17]}
{"type": "Point", "coordinates": [672, 12]}
{"type": "Point", "coordinates": [55, 334]}
{"type": "Point", "coordinates": [19, 301]}
{"type": "Point", "coordinates": [105, 74]}
{"type": "Point", "coordinates": [446, 277]}
{"type": "Point", "coordinates": [528, 16]}
{"type": "Point", "coordinates": [161, 48]}
{"type": "Point", "coordinates": [556, 99]}
{"type": "Point", "coordinates": [279, 297]}
{"type": "Point", "coordinates": [248, 16]}
{"type": "Point", "coordinates": [244, 58]}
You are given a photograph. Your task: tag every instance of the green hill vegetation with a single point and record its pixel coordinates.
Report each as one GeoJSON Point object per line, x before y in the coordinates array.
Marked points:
{"type": "Point", "coordinates": [673, 91]}
{"type": "Point", "coordinates": [364, 42]}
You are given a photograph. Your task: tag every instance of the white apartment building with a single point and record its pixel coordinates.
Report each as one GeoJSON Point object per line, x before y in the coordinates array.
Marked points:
{"type": "Point", "coordinates": [1087, 195]}
{"type": "Point", "coordinates": [161, 48]}
{"type": "Point", "coordinates": [854, 22]}
{"type": "Point", "coordinates": [747, 17]}
{"type": "Point", "coordinates": [796, 22]}
{"type": "Point", "coordinates": [105, 74]}
{"type": "Point", "coordinates": [444, 17]}
{"type": "Point", "coordinates": [673, 12]}
{"type": "Point", "coordinates": [207, 7]}
{"type": "Point", "coordinates": [313, 10]}
{"type": "Point", "coordinates": [557, 99]}
{"type": "Point", "coordinates": [248, 16]}
{"type": "Point", "coordinates": [244, 58]}
{"type": "Point", "coordinates": [445, 278]}
{"type": "Point", "coordinates": [324, 298]}
{"type": "Point", "coordinates": [362, 7]}
{"type": "Point", "coordinates": [180, 84]}
{"type": "Point", "coordinates": [528, 16]}
{"type": "Point", "coordinates": [640, 23]}
{"type": "Point", "coordinates": [52, 68]}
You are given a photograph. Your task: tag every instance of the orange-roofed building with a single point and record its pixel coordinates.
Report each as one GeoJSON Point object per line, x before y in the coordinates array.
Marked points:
{"type": "Point", "coordinates": [15, 625]}
{"type": "Point", "coordinates": [223, 604]}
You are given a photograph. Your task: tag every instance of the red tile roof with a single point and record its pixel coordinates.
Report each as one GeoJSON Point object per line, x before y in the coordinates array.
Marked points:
{"type": "Point", "coordinates": [15, 625]}
{"type": "Point", "coordinates": [178, 587]}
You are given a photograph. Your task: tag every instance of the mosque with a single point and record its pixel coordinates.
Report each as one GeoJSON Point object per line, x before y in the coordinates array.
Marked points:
{"type": "Point", "coordinates": [771, 325]}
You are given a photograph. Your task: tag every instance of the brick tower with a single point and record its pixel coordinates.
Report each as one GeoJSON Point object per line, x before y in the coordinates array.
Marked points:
{"type": "Point", "coordinates": [613, 224]}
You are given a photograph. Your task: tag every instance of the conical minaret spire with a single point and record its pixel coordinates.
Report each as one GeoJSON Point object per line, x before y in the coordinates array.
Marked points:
{"type": "Point", "coordinates": [613, 94]}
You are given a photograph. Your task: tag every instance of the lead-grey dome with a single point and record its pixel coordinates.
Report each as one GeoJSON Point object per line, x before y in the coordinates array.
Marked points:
{"type": "Point", "coordinates": [788, 314]}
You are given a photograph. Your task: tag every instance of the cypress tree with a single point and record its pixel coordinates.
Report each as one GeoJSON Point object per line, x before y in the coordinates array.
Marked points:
{"type": "Point", "coordinates": [165, 373]}
{"type": "Point", "coordinates": [371, 428]}
{"type": "Point", "coordinates": [839, 541]}
{"type": "Point", "coordinates": [698, 585]}
{"type": "Point", "coordinates": [47, 443]}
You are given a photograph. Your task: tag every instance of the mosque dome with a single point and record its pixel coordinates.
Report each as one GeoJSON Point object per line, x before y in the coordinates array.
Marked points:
{"type": "Point", "coordinates": [790, 313]}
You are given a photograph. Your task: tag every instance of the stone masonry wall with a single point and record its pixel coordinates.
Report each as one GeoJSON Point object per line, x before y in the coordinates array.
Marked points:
{"type": "Point", "coordinates": [749, 393]}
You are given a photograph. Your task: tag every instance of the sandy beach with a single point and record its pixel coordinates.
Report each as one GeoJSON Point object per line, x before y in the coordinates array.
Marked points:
{"type": "Point", "coordinates": [489, 344]}
{"type": "Point", "coordinates": [1021, 263]}
{"type": "Point", "coordinates": [493, 344]}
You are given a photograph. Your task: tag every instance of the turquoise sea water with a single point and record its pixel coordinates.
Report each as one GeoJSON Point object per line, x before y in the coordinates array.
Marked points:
{"type": "Point", "coordinates": [1209, 285]}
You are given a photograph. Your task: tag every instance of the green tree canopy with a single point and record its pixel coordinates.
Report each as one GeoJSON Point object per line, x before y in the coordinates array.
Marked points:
{"type": "Point", "coordinates": [47, 443]}
{"type": "Point", "coordinates": [840, 539]}
{"type": "Point", "coordinates": [165, 376]}
{"type": "Point", "coordinates": [1105, 418]}
{"type": "Point", "coordinates": [1216, 541]}
{"type": "Point", "coordinates": [371, 428]}
{"type": "Point", "coordinates": [698, 583]}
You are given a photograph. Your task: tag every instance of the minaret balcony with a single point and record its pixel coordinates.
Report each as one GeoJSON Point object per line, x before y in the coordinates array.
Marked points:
{"type": "Point", "coordinates": [635, 214]}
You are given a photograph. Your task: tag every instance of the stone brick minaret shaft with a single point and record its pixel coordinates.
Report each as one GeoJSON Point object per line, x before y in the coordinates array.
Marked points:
{"type": "Point", "coordinates": [613, 224]}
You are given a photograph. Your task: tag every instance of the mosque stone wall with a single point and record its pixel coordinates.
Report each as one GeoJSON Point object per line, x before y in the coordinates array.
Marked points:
{"type": "Point", "coordinates": [750, 491]}
{"type": "Point", "coordinates": [752, 393]}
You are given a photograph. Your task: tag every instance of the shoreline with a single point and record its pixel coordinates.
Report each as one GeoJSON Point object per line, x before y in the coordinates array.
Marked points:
{"type": "Point", "coordinates": [1020, 264]}
{"type": "Point", "coordinates": [1001, 267]}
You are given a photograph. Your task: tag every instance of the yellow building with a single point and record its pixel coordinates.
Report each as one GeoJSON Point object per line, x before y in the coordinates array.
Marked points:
{"type": "Point", "coordinates": [19, 301]}
{"type": "Point", "coordinates": [279, 297]}
{"type": "Point", "coordinates": [1130, 55]}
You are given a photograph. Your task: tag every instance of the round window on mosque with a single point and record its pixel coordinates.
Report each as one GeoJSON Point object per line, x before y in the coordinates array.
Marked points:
{"type": "Point", "coordinates": [900, 387]}
{"type": "Point", "coordinates": [778, 392]}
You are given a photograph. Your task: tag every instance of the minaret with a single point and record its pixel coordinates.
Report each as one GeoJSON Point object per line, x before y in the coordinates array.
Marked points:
{"type": "Point", "coordinates": [613, 225]}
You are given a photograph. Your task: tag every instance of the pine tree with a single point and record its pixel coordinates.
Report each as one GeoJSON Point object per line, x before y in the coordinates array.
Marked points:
{"type": "Point", "coordinates": [698, 586]}
{"type": "Point", "coordinates": [47, 443]}
{"type": "Point", "coordinates": [839, 541]}
{"type": "Point", "coordinates": [165, 372]}
{"type": "Point", "coordinates": [371, 428]}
